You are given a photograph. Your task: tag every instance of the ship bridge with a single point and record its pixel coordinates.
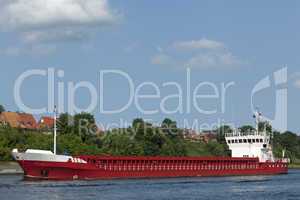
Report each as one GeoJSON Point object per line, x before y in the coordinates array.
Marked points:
{"type": "Point", "coordinates": [251, 144]}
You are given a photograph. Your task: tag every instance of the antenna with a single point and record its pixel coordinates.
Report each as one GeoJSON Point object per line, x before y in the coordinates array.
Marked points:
{"type": "Point", "coordinates": [54, 134]}
{"type": "Point", "coordinates": [257, 116]}
{"type": "Point", "coordinates": [283, 153]}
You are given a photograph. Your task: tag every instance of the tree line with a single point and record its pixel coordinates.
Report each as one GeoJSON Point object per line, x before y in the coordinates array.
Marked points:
{"type": "Point", "coordinates": [77, 135]}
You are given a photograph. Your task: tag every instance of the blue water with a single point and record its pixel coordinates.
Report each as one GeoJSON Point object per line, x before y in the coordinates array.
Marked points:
{"type": "Point", "coordinates": [280, 187]}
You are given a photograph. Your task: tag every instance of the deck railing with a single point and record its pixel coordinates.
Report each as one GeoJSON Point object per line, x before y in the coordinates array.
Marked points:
{"type": "Point", "coordinates": [238, 133]}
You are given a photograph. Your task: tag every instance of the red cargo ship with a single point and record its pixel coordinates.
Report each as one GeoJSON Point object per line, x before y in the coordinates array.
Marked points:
{"type": "Point", "coordinates": [251, 155]}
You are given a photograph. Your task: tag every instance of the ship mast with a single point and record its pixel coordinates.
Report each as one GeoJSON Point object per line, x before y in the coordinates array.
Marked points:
{"type": "Point", "coordinates": [54, 132]}
{"type": "Point", "coordinates": [257, 116]}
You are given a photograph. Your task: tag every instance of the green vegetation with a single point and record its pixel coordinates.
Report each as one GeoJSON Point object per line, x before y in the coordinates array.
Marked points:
{"type": "Point", "coordinates": [288, 141]}
{"type": "Point", "coordinates": [2, 109]}
{"type": "Point", "coordinates": [77, 136]}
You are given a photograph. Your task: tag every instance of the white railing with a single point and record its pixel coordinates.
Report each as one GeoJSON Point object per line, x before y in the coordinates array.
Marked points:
{"type": "Point", "coordinates": [283, 160]}
{"type": "Point", "coordinates": [248, 133]}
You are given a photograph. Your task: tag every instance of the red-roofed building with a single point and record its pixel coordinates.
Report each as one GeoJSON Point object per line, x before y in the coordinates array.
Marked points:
{"type": "Point", "coordinates": [46, 123]}
{"type": "Point", "coordinates": [209, 136]}
{"type": "Point", "coordinates": [18, 120]}
{"type": "Point", "coordinates": [205, 136]}
{"type": "Point", "coordinates": [27, 121]}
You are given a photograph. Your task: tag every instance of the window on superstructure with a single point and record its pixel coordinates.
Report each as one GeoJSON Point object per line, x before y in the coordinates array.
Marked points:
{"type": "Point", "coordinates": [240, 140]}
{"type": "Point", "coordinates": [261, 140]}
{"type": "Point", "coordinates": [245, 141]}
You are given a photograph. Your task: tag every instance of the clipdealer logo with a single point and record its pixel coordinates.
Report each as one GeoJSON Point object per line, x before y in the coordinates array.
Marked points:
{"type": "Point", "coordinates": [188, 97]}
{"type": "Point", "coordinates": [279, 120]}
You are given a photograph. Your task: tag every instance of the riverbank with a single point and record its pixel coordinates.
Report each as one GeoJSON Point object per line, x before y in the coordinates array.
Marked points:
{"type": "Point", "coordinates": [294, 166]}
{"type": "Point", "coordinates": [10, 168]}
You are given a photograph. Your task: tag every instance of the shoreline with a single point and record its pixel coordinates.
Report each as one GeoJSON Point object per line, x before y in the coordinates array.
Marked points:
{"type": "Point", "coordinates": [12, 167]}
{"type": "Point", "coordinates": [294, 166]}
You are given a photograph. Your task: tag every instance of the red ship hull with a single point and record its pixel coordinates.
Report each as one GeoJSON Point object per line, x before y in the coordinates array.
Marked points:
{"type": "Point", "coordinates": [110, 167]}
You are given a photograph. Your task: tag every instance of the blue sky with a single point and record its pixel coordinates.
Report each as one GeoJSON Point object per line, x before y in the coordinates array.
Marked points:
{"type": "Point", "coordinates": [221, 41]}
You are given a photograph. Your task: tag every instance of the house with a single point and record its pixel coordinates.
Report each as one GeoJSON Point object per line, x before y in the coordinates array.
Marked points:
{"type": "Point", "coordinates": [46, 123]}
{"type": "Point", "coordinates": [208, 136]}
{"type": "Point", "coordinates": [191, 135]}
{"type": "Point", "coordinates": [205, 136]}
{"type": "Point", "coordinates": [2, 120]}
{"type": "Point", "coordinates": [27, 121]}
{"type": "Point", "coordinates": [11, 119]}
{"type": "Point", "coordinates": [18, 120]}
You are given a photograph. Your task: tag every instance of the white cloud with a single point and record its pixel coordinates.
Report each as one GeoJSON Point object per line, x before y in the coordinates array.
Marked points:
{"type": "Point", "coordinates": [54, 35]}
{"type": "Point", "coordinates": [38, 23]}
{"type": "Point", "coordinates": [199, 54]}
{"type": "Point", "coordinates": [198, 44]}
{"type": "Point", "coordinates": [42, 49]}
{"type": "Point", "coordinates": [22, 14]}
{"type": "Point", "coordinates": [33, 50]}
{"type": "Point", "coordinates": [213, 61]}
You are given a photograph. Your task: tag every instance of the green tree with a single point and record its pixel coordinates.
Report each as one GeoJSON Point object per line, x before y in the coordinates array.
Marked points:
{"type": "Point", "coordinates": [65, 124]}
{"type": "Point", "coordinates": [169, 123]}
{"type": "Point", "coordinates": [221, 131]}
{"type": "Point", "coordinates": [84, 125]}
{"type": "Point", "coordinates": [138, 129]}
{"type": "Point", "coordinates": [116, 143]}
{"type": "Point", "coordinates": [288, 141]}
{"type": "Point", "coordinates": [217, 149]}
{"type": "Point", "coordinates": [265, 126]}
{"type": "Point", "coordinates": [169, 127]}
{"type": "Point", "coordinates": [137, 123]}
{"type": "Point", "coordinates": [246, 128]}
{"type": "Point", "coordinates": [2, 109]}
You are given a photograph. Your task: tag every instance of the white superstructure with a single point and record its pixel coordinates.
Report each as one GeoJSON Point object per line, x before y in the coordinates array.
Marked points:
{"type": "Point", "coordinates": [251, 144]}
{"type": "Point", "coordinates": [43, 156]}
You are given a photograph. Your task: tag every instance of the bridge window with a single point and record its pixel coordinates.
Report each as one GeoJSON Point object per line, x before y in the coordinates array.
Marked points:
{"type": "Point", "coordinates": [253, 140]}
{"type": "Point", "coordinates": [229, 141]}
{"type": "Point", "coordinates": [257, 140]}
{"type": "Point", "coordinates": [245, 141]}
{"type": "Point", "coordinates": [240, 141]}
{"type": "Point", "coordinates": [261, 140]}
